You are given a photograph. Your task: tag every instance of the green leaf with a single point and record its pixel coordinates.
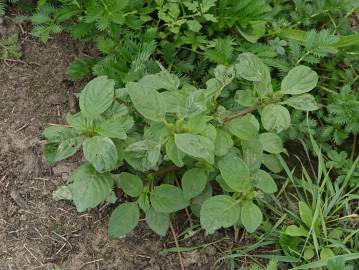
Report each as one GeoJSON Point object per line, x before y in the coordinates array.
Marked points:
{"type": "Point", "coordinates": [207, 4]}
{"type": "Point", "coordinates": [197, 202]}
{"type": "Point", "coordinates": [254, 32]}
{"type": "Point", "coordinates": [326, 253]}
{"type": "Point", "coordinates": [144, 202]}
{"type": "Point", "coordinates": [143, 155]}
{"type": "Point", "coordinates": [251, 216]}
{"type": "Point", "coordinates": [271, 142]}
{"type": "Point", "coordinates": [305, 213]}
{"type": "Point", "coordinates": [272, 163]}
{"type": "Point", "coordinates": [194, 25]}
{"type": "Point", "coordinates": [88, 187]}
{"type": "Point", "coordinates": [97, 96]}
{"type": "Point", "coordinates": [123, 220]}
{"type": "Point", "coordinates": [112, 128]}
{"type": "Point", "coordinates": [62, 193]}
{"type": "Point", "coordinates": [63, 143]}
{"type": "Point", "coordinates": [251, 68]}
{"type": "Point", "coordinates": [242, 128]}
{"type": "Point", "coordinates": [101, 152]}
{"type": "Point", "coordinates": [252, 154]}
{"type": "Point", "coordinates": [296, 231]}
{"type": "Point", "coordinates": [168, 199]}
{"type": "Point", "coordinates": [265, 182]}
{"type": "Point", "coordinates": [173, 153]}
{"type": "Point", "coordinates": [223, 142]}
{"type": "Point", "coordinates": [193, 182]}
{"type": "Point", "coordinates": [275, 118]}
{"type": "Point", "coordinates": [147, 102]}
{"type": "Point", "coordinates": [196, 146]}
{"type": "Point", "coordinates": [299, 80]}
{"type": "Point", "coordinates": [246, 98]}
{"type": "Point", "coordinates": [217, 212]}
{"type": "Point", "coordinates": [158, 222]}
{"type": "Point", "coordinates": [130, 184]}
{"type": "Point", "coordinates": [235, 173]}
{"type": "Point", "coordinates": [305, 102]}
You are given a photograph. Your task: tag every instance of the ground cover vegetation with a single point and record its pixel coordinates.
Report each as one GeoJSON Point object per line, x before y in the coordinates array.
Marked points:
{"type": "Point", "coordinates": [190, 107]}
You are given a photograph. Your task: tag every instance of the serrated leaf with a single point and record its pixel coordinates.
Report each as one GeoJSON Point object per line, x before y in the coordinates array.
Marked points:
{"type": "Point", "coordinates": [251, 216]}
{"type": "Point", "coordinates": [235, 173]}
{"type": "Point", "coordinates": [147, 102]}
{"type": "Point", "coordinates": [217, 212]}
{"type": "Point", "coordinates": [275, 118]}
{"type": "Point", "coordinates": [195, 146]}
{"type": "Point", "coordinates": [193, 182]}
{"type": "Point", "coordinates": [130, 184]}
{"type": "Point", "coordinates": [305, 102]}
{"type": "Point", "coordinates": [97, 96]}
{"type": "Point", "coordinates": [88, 187]}
{"type": "Point", "coordinates": [101, 152]}
{"type": "Point", "coordinates": [265, 182]}
{"type": "Point", "coordinates": [123, 220]}
{"type": "Point", "coordinates": [271, 142]}
{"type": "Point", "coordinates": [299, 80]}
{"type": "Point", "coordinates": [168, 199]}
{"type": "Point", "coordinates": [158, 222]}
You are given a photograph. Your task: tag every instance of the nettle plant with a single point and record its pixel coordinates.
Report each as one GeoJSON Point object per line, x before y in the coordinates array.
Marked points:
{"type": "Point", "coordinates": [168, 145]}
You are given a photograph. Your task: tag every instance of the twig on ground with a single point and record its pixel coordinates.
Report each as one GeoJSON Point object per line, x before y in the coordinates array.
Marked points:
{"type": "Point", "coordinates": [177, 246]}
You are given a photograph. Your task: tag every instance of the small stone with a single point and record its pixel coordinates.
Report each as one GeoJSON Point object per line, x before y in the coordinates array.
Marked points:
{"type": "Point", "coordinates": [191, 258]}
{"type": "Point", "coordinates": [210, 251]}
{"type": "Point", "coordinates": [56, 99]}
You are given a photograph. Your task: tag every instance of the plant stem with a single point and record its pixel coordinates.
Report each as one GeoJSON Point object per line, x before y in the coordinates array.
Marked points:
{"type": "Point", "coordinates": [239, 114]}
{"type": "Point", "coordinates": [177, 246]}
{"type": "Point", "coordinates": [355, 140]}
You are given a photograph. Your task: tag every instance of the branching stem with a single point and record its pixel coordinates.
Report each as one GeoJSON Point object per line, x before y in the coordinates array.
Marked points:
{"type": "Point", "coordinates": [239, 114]}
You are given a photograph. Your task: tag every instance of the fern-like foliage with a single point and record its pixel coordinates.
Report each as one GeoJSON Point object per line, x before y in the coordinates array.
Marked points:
{"type": "Point", "coordinates": [343, 115]}
{"type": "Point", "coordinates": [272, 265]}
{"type": "Point", "coordinates": [10, 48]}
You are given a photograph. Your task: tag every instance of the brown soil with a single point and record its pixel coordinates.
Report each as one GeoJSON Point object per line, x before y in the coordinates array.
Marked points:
{"type": "Point", "coordinates": [35, 231]}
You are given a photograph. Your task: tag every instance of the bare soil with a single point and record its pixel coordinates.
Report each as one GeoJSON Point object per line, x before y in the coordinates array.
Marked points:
{"type": "Point", "coordinates": [35, 231]}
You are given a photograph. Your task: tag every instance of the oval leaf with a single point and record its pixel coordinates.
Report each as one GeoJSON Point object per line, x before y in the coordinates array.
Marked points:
{"type": "Point", "coordinates": [305, 102]}
{"type": "Point", "coordinates": [251, 216]}
{"type": "Point", "coordinates": [97, 96]}
{"type": "Point", "coordinates": [299, 80]}
{"type": "Point", "coordinates": [243, 128]}
{"type": "Point", "coordinates": [88, 187]}
{"type": "Point", "coordinates": [193, 182]}
{"type": "Point", "coordinates": [235, 173]}
{"type": "Point", "coordinates": [265, 182]}
{"type": "Point", "coordinates": [271, 142]}
{"type": "Point", "coordinates": [168, 199]}
{"type": "Point", "coordinates": [130, 184]}
{"type": "Point", "coordinates": [218, 212]}
{"type": "Point", "coordinates": [158, 222]}
{"type": "Point", "coordinates": [147, 101]}
{"type": "Point", "coordinates": [275, 118]}
{"type": "Point", "coordinates": [251, 68]}
{"type": "Point", "coordinates": [195, 146]}
{"type": "Point", "coordinates": [101, 152]}
{"type": "Point", "coordinates": [123, 220]}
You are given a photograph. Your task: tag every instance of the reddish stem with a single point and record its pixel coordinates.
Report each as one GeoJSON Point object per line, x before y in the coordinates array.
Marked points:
{"type": "Point", "coordinates": [239, 114]}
